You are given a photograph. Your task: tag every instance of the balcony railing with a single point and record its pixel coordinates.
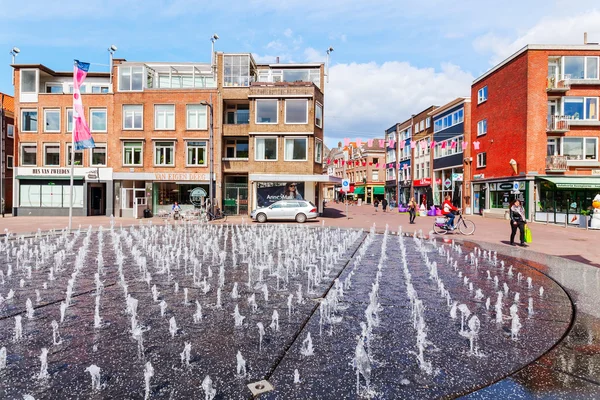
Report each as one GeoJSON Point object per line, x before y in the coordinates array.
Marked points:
{"type": "Point", "coordinates": [558, 123]}
{"type": "Point", "coordinates": [559, 83]}
{"type": "Point", "coordinates": [556, 163]}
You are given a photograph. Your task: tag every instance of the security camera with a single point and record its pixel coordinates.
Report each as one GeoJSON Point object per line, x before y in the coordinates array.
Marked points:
{"type": "Point", "coordinates": [215, 36]}
{"type": "Point", "coordinates": [16, 50]}
{"type": "Point", "coordinates": [113, 47]}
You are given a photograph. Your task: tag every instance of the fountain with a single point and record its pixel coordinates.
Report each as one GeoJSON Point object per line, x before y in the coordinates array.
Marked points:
{"type": "Point", "coordinates": [185, 355]}
{"type": "Point", "coordinates": [275, 321]}
{"type": "Point", "coordinates": [173, 327]}
{"type": "Point", "coordinates": [362, 364]}
{"type": "Point", "coordinates": [18, 329]}
{"type": "Point", "coordinates": [94, 371]}
{"type": "Point", "coordinates": [261, 333]}
{"type": "Point", "coordinates": [2, 358]}
{"type": "Point", "coordinates": [464, 314]}
{"type": "Point", "coordinates": [44, 364]}
{"type": "Point", "coordinates": [241, 365]}
{"type": "Point", "coordinates": [296, 376]}
{"type": "Point", "coordinates": [516, 324]}
{"type": "Point", "coordinates": [29, 308]}
{"type": "Point", "coordinates": [239, 319]}
{"type": "Point", "coordinates": [530, 307]}
{"type": "Point", "coordinates": [198, 313]}
{"type": "Point", "coordinates": [307, 346]}
{"type": "Point", "coordinates": [148, 373]}
{"type": "Point", "coordinates": [55, 335]}
{"type": "Point", "coordinates": [234, 292]}
{"type": "Point", "coordinates": [209, 391]}
{"type": "Point", "coordinates": [163, 308]}
{"type": "Point", "coordinates": [499, 308]}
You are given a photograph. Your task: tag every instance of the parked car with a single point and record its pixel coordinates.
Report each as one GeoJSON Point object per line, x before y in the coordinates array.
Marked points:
{"type": "Point", "coordinates": [298, 210]}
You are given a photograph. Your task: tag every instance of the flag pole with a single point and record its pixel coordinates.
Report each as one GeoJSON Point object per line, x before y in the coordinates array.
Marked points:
{"type": "Point", "coordinates": [72, 155]}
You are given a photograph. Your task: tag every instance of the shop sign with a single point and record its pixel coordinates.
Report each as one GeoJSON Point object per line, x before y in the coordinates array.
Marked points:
{"type": "Point", "coordinates": [92, 175]}
{"type": "Point", "coordinates": [268, 193]}
{"type": "Point", "coordinates": [422, 182]}
{"type": "Point", "coordinates": [456, 177]}
{"type": "Point", "coordinates": [180, 176]}
{"type": "Point", "coordinates": [51, 171]}
{"type": "Point", "coordinates": [196, 196]}
{"type": "Point", "coordinates": [596, 172]}
{"type": "Point", "coordinates": [479, 176]}
{"type": "Point", "coordinates": [447, 183]}
{"type": "Point", "coordinates": [505, 186]}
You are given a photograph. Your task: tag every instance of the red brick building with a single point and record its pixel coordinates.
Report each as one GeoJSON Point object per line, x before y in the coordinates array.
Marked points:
{"type": "Point", "coordinates": [535, 132]}
{"type": "Point", "coordinates": [7, 131]}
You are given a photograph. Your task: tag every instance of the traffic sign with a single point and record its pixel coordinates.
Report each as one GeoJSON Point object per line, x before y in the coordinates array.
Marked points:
{"type": "Point", "coordinates": [515, 186]}
{"type": "Point", "coordinates": [346, 185]}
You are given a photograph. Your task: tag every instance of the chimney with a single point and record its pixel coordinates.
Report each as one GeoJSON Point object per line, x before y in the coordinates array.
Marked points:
{"type": "Point", "coordinates": [277, 58]}
{"type": "Point", "coordinates": [585, 38]}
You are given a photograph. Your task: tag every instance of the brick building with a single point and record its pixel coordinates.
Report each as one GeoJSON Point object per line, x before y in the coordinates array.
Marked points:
{"type": "Point", "coordinates": [7, 130]}
{"type": "Point", "coordinates": [422, 157]}
{"type": "Point", "coordinates": [535, 125]}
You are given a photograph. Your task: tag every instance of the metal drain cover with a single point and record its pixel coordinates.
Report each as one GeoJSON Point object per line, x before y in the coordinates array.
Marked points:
{"type": "Point", "coordinates": [260, 387]}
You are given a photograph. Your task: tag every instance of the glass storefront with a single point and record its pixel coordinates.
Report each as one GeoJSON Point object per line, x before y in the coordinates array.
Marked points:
{"type": "Point", "coordinates": [501, 196]}
{"type": "Point", "coordinates": [571, 201]}
{"type": "Point", "coordinates": [165, 194]}
{"type": "Point", "coordinates": [235, 196]}
{"type": "Point", "coordinates": [448, 182]}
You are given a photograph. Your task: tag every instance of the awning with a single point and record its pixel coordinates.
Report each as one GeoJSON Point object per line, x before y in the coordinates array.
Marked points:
{"type": "Point", "coordinates": [379, 190]}
{"type": "Point", "coordinates": [574, 182]}
{"type": "Point", "coordinates": [359, 190]}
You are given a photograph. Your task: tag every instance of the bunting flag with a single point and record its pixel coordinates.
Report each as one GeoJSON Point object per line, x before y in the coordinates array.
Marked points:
{"type": "Point", "coordinates": [453, 145]}
{"type": "Point", "coordinates": [364, 163]}
{"type": "Point", "coordinates": [346, 142]}
{"type": "Point", "coordinates": [402, 144]}
{"type": "Point", "coordinates": [370, 142]}
{"type": "Point", "coordinates": [465, 145]}
{"type": "Point", "coordinates": [423, 144]}
{"type": "Point", "coordinates": [392, 142]}
{"type": "Point", "coordinates": [433, 143]}
{"type": "Point", "coordinates": [381, 143]}
{"type": "Point", "coordinates": [476, 145]}
{"type": "Point", "coordinates": [444, 145]}
{"type": "Point", "coordinates": [412, 144]}
{"type": "Point", "coordinates": [81, 131]}
{"type": "Point", "coordinates": [358, 142]}
{"type": "Point", "coordinates": [342, 162]}
{"type": "Point", "coordinates": [377, 165]}
{"type": "Point", "coordinates": [328, 161]}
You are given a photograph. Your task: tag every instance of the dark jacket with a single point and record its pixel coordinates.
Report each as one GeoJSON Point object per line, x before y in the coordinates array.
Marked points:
{"type": "Point", "coordinates": [516, 216]}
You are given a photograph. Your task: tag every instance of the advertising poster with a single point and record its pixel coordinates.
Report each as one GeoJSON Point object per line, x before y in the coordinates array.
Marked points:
{"type": "Point", "coordinates": [270, 192]}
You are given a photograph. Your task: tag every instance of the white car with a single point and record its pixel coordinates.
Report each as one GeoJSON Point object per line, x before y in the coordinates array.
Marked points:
{"type": "Point", "coordinates": [298, 210]}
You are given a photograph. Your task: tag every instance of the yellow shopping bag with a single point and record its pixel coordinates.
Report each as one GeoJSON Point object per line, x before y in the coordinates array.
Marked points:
{"type": "Point", "coordinates": [527, 234]}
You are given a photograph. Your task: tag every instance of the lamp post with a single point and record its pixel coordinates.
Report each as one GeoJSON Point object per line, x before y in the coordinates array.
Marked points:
{"type": "Point", "coordinates": [210, 155]}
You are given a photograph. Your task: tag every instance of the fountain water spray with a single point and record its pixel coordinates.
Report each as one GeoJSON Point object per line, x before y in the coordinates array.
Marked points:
{"type": "Point", "coordinates": [530, 307]}
{"type": "Point", "coordinates": [516, 323]}
{"type": "Point", "coordinates": [239, 319]}
{"type": "Point", "coordinates": [148, 373]}
{"type": "Point", "coordinates": [498, 308]}
{"type": "Point", "coordinates": [241, 365]}
{"type": "Point", "coordinates": [275, 321]}
{"type": "Point", "coordinates": [209, 391]}
{"type": "Point", "coordinates": [173, 327]}
{"type": "Point", "coordinates": [198, 313]}
{"type": "Point", "coordinates": [296, 376]}
{"type": "Point", "coordinates": [185, 355]}
{"type": "Point", "coordinates": [18, 329]}
{"type": "Point", "coordinates": [163, 308]}
{"type": "Point", "coordinates": [55, 335]}
{"type": "Point", "coordinates": [94, 371]}
{"type": "Point", "coordinates": [261, 333]}
{"type": "Point", "coordinates": [307, 347]}
{"type": "Point", "coordinates": [29, 308]}
{"type": "Point", "coordinates": [44, 364]}
{"type": "Point", "coordinates": [362, 364]}
{"type": "Point", "coordinates": [2, 358]}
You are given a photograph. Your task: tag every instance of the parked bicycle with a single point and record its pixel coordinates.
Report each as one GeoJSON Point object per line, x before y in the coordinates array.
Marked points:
{"type": "Point", "coordinates": [206, 215]}
{"type": "Point", "coordinates": [465, 226]}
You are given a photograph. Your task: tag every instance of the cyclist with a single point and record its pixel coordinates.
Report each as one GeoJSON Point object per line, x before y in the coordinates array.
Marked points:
{"type": "Point", "coordinates": [447, 210]}
{"type": "Point", "coordinates": [176, 210]}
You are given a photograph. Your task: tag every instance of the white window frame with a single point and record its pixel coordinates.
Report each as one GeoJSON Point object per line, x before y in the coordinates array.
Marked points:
{"type": "Point", "coordinates": [584, 117]}
{"type": "Point", "coordinates": [130, 68]}
{"type": "Point", "coordinates": [69, 122]}
{"type": "Point", "coordinates": [54, 110]}
{"type": "Point", "coordinates": [92, 110]}
{"type": "Point", "coordinates": [165, 113]}
{"type": "Point", "coordinates": [160, 148]}
{"type": "Point", "coordinates": [285, 111]}
{"type": "Point", "coordinates": [37, 80]}
{"type": "Point", "coordinates": [24, 110]}
{"type": "Point", "coordinates": [482, 127]}
{"type": "Point", "coordinates": [123, 146]}
{"type": "Point", "coordinates": [10, 163]}
{"type": "Point", "coordinates": [68, 156]}
{"type": "Point", "coordinates": [583, 143]}
{"type": "Point", "coordinates": [53, 84]}
{"type": "Point", "coordinates": [285, 155]}
{"type": "Point", "coordinates": [318, 151]}
{"type": "Point", "coordinates": [44, 147]}
{"type": "Point", "coordinates": [10, 130]}
{"type": "Point", "coordinates": [187, 149]}
{"type": "Point", "coordinates": [375, 175]}
{"type": "Point", "coordinates": [276, 113]}
{"type": "Point", "coordinates": [482, 95]}
{"type": "Point", "coordinates": [91, 154]}
{"type": "Point", "coordinates": [100, 87]}
{"type": "Point", "coordinates": [21, 157]}
{"type": "Point", "coordinates": [585, 67]}
{"type": "Point", "coordinates": [196, 117]}
{"type": "Point", "coordinates": [137, 108]}
{"type": "Point", "coordinates": [256, 158]}
{"type": "Point", "coordinates": [481, 159]}
{"type": "Point", "coordinates": [318, 106]}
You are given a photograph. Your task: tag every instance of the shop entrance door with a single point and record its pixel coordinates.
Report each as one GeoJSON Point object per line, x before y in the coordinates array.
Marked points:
{"type": "Point", "coordinates": [96, 199]}
{"type": "Point", "coordinates": [128, 196]}
{"type": "Point", "coordinates": [236, 200]}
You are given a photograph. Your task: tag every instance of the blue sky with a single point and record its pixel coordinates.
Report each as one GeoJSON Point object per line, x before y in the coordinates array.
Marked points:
{"type": "Point", "coordinates": [391, 58]}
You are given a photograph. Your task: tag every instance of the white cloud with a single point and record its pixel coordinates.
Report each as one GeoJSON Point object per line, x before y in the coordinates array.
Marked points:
{"type": "Point", "coordinates": [362, 100]}
{"type": "Point", "coordinates": [312, 55]}
{"type": "Point", "coordinates": [288, 33]}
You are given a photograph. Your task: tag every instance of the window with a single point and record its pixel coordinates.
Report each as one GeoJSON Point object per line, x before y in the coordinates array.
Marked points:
{"type": "Point", "coordinates": [52, 120]}
{"type": "Point", "coordinates": [52, 154]}
{"type": "Point", "coordinates": [78, 156]}
{"type": "Point", "coordinates": [236, 70]}
{"type": "Point", "coordinates": [422, 125]}
{"type": "Point", "coordinates": [375, 174]}
{"type": "Point", "coordinates": [82, 88]}
{"type": "Point", "coordinates": [266, 111]}
{"type": "Point", "coordinates": [99, 88]}
{"type": "Point", "coordinates": [132, 153]}
{"type": "Point", "coordinates": [196, 116]}
{"type": "Point", "coordinates": [481, 158]}
{"type": "Point", "coordinates": [236, 148]}
{"type": "Point", "coordinates": [318, 151]}
{"type": "Point", "coordinates": [581, 67]}
{"type": "Point", "coordinates": [9, 162]}
{"type": "Point", "coordinates": [164, 117]}
{"type": "Point", "coordinates": [133, 116]}
{"type": "Point", "coordinates": [54, 88]}
{"type": "Point", "coordinates": [482, 127]}
{"type": "Point", "coordinates": [69, 120]}
{"type": "Point", "coordinates": [98, 155]}
{"type": "Point", "coordinates": [296, 111]}
{"type": "Point", "coordinates": [164, 153]}
{"type": "Point", "coordinates": [10, 130]}
{"type": "Point", "coordinates": [482, 94]}
{"type": "Point", "coordinates": [131, 78]}
{"type": "Point", "coordinates": [449, 120]}
{"type": "Point", "coordinates": [580, 149]}
{"type": "Point", "coordinates": [295, 149]}
{"type": "Point", "coordinates": [29, 154]}
{"type": "Point", "coordinates": [318, 115]}
{"type": "Point", "coordinates": [29, 120]}
{"type": "Point", "coordinates": [238, 114]}
{"type": "Point", "coordinates": [29, 81]}
{"type": "Point", "coordinates": [581, 107]}
{"type": "Point", "coordinates": [266, 149]}
{"type": "Point", "coordinates": [428, 123]}
{"type": "Point", "coordinates": [196, 154]}
{"type": "Point", "coordinates": [98, 120]}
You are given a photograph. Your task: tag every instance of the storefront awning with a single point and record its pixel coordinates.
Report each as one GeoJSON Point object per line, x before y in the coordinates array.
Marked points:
{"type": "Point", "coordinates": [572, 182]}
{"type": "Point", "coordinates": [359, 190]}
{"type": "Point", "coordinates": [378, 190]}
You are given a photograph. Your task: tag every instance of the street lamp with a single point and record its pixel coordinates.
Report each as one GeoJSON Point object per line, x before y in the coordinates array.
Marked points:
{"type": "Point", "coordinates": [210, 155]}
{"type": "Point", "coordinates": [111, 51]}
{"type": "Point", "coordinates": [15, 50]}
{"type": "Point", "coordinates": [329, 50]}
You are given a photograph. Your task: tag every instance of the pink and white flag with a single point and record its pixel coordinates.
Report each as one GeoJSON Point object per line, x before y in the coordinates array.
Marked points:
{"type": "Point", "coordinates": [82, 136]}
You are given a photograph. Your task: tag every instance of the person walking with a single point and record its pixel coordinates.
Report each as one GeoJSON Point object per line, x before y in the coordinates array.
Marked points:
{"type": "Point", "coordinates": [412, 209]}
{"type": "Point", "coordinates": [376, 204]}
{"type": "Point", "coordinates": [517, 220]}
{"type": "Point", "coordinates": [384, 204]}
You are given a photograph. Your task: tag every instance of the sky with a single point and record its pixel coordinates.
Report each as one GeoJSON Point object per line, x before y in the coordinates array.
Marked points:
{"type": "Point", "coordinates": [391, 58]}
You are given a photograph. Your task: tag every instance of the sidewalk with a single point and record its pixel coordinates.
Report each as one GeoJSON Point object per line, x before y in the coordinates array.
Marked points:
{"type": "Point", "coordinates": [572, 243]}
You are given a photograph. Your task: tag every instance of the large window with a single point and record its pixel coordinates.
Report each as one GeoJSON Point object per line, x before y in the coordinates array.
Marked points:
{"type": "Point", "coordinates": [51, 155]}
{"type": "Point", "coordinates": [32, 193]}
{"type": "Point", "coordinates": [164, 153]}
{"type": "Point", "coordinates": [69, 120]}
{"type": "Point", "coordinates": [56, 88]}
{"type": "Point", "coordinates": [482, 94]}
{"type": "Point", "coordinates": [318, 151]}
{"type": "Point", "coordinates": [98, 119]}
{"type": "Point", "coordinates": [196, 154]}
{"type": "Point", "coordinates": [133, 116]}
{"type": "Point", "coordinates": [98, 155]}
{"type": "Point", "coordinates": [196, 116]}
{"type": "Point", "coordinates": [132, 153]}
{"type": "Point", "coordinates": [581, 67]}
{"type": "Point", "coordinates": [318, 115]}
{"type": "Point", "coordinates": [29, 120]}
{"type": "Point", "coordinates": [78, 156]}
{"type": "Point", "coordinates": [266, 149]}
{"type": "Point", "coordinates": [236, 148]}
{"type": "Point", "coordinates": [266, 111]}
{"type": "Point", "coordinates": [481, 160]}
{"type": "Point", "coordinates": [29, 154]}
{"type": "Point", "coordinates": [482, 127]}
{"type": "Point", "coordinates": [51, 120]}
{"type": "Point", "coordinates": [236, 70]}
{"type": "Point", "coordinates": [164, 117]}
{"type": "Point", "coordinates": [131, 78]}
{"type": "Point", "coordinates": [296, 111]}
{"type": "Point", "coordinates": [296, 149]}
{"type": "Point", "coordinates": [577, 148]}
{"type": "Point", "coordinates": [29, 81]}
{"type": "Point", "coordinates": [448, 120]}
{"type": "Point", "coordinates": [581, 107]}
{"type": "Point", "coordinates": [238, 114]}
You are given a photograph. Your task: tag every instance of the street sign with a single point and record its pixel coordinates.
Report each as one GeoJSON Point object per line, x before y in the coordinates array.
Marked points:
{"type": "Point", "coordinates": [515, 186]}
{"type": "Point", "coordinates": [346, 185]}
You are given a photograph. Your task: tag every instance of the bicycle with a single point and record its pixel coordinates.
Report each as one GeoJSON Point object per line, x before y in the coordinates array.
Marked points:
{"type": "Point", "coordinates": [465, 226]}
{"type": "Point", "coordinates": [206, 215]}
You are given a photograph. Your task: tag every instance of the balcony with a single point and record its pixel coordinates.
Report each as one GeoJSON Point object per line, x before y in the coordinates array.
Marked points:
{"type": "Point", "coordinates": [560, 83]}
{"type": "Point", "coordinates": [558, 124]}
{"type": "Point", "coordinates": [235, 129]}
{"type": "Point", "coordinates": [556, 164]}
{"type": "Point", "coordinates": [277, 89]}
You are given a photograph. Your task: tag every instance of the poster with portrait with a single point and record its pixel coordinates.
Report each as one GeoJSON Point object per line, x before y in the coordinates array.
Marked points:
{"type": "Point", "coordinates": [270, 192]}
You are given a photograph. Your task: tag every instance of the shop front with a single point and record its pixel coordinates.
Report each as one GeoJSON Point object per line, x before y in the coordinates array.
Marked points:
{"type": "Point", "coordinates": [422, 192]}
{"type": "Point", "coordinates": [47, 191]}
{"type": "Point", "coordinates": [448, 182]}
{"type": "Point", "coordinates": [564, 198]}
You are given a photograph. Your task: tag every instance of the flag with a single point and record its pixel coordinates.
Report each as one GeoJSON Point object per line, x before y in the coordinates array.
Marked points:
{"type": "Point", "coordinates": [81, 132]}
{"type": "Point", "coordinates": [358, 142]}
{"type": "Point", "coordinates": [370, 142]}
{"type": "Point", "coordinates": [476, 145]}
